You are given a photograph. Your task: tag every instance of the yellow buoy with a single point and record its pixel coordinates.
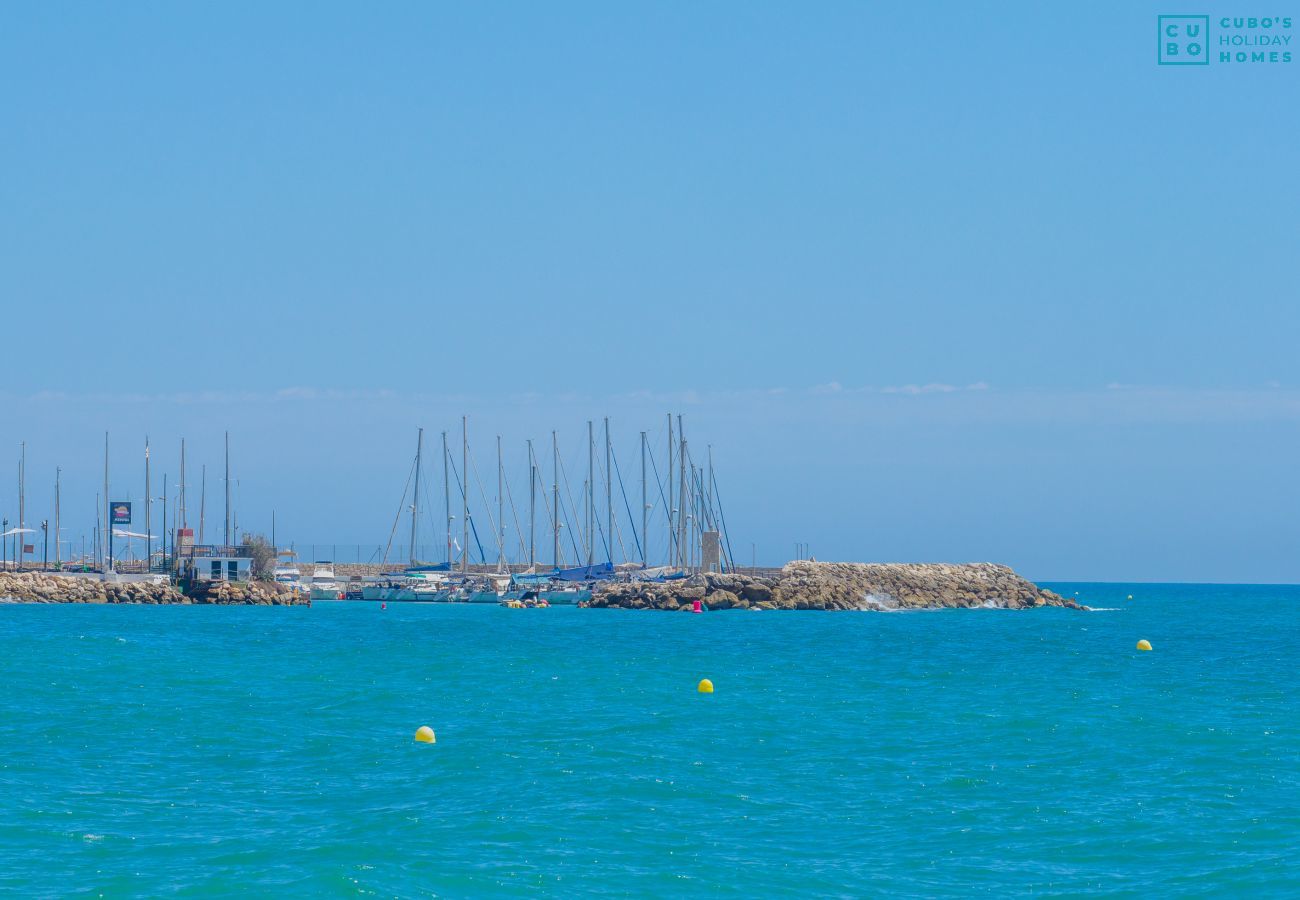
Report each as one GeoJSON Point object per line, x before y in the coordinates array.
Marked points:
{"type": "Point", "coordinates": [1130, 596]}
{"type": "Point", "coordinates": [1144, 644]}
{"type": "Point", "coordinates": [706, 686]}
{"type": "Point", "coordinates": [424, 734]}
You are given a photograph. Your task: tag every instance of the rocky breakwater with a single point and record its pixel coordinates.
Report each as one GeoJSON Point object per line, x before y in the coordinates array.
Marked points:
{"type": "Point", "coordinates": [256, 593]}
{"type": "Point", "coordinates": [39, 587]}
{"type": "Point", "coordinates": [855, 586]}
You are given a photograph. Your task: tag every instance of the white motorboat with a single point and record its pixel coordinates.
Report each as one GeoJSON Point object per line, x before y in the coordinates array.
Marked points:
{"type": "Point", "coordinates": [323, 584]}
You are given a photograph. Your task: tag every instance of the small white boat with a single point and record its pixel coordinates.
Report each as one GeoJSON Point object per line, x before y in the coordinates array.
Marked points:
{"type": "Point", "coordinates": [323, 585]}
{"type": "Point", "coordinates": [289, 576]}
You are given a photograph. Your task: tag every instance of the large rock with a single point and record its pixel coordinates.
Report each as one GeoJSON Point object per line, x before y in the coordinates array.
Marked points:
{"type": "Point", "coordinates": [723, 600]}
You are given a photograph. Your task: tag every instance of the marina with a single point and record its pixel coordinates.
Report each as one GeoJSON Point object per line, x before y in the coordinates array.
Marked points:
{"type": "Point", "coordinates": [541, 537]}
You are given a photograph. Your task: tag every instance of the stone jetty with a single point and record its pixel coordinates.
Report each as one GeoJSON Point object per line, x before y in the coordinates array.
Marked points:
{"type": "Point", "coordinates": [40, 587]}
{"type": "Point", "coordinates": [841, 586]}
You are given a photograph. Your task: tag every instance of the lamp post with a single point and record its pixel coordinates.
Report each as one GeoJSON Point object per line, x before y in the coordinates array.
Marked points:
{"type": "Point", "coordinates": [45, 531]}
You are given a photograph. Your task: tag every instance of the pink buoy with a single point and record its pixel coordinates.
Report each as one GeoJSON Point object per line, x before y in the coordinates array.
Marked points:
{"type": "Point", "coordinates": [697, 607]}
{"type": "Point", "coordinates": [383, 606]}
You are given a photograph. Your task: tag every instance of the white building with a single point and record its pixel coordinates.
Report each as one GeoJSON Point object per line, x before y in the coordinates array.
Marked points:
{"type": "Point", "coordinates": [222, 568]}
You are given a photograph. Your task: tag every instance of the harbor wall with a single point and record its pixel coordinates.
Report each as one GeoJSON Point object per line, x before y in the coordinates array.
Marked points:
{"type": "Point", "coordinates": [841, 586]}
{"type": "Point", "coordinates": [38, 587]}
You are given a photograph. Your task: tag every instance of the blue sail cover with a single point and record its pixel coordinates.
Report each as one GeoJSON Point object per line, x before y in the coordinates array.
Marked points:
{"type": "Point", "coordinates": [438, 567]}
{"type": "Point", "coordinates": [585, 573]}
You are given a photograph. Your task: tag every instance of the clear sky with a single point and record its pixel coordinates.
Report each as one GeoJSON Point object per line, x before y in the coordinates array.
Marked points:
{"type": "Point", "coordinates": [938, 281]}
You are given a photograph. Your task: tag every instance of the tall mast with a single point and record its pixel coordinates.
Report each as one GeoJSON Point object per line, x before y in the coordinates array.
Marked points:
{"type": "Point", "coordinates": [591, 471]}
{"type": "Point", "coordinates": [181, 520]}
{"type": "Point", "coordinates": [464, 489]}
{"type": "Point", "coordinates": [609, 495]}
{"type": "Point", "coordinates": [681, 486]}
{"type": "Point", "coordinates": [203, 501]}
{"type": "Point", "coordinates": [107, 542]}
{"type": "Point", "coordinates": [532, 509]}
{"type": "Point", "coordinates": [227, 535]}
{"type": "Point", "coordinates": [710, 511]}
{"type": "Point", "coordinates": [415, 507]}
{"type": "Point", "coordinates": [645, 510]}
{"type": "Point", "coordinates": [671, 548]}
{"type": "Point", "coordinates": [555, 499]}
{"type": "Point", "coordinates": [58, 477]}
{"type": "Point", "coordinates": [446, 497]}
{"type": "Point", "coordinates": [688, 511]}
{"type": "Point", "coordinates": [164, 522]}
{"type": "Point", "coordinates": [148, 510]}
{"type": "Point", "coordinates": [501, 513]}
{"type": "Point", "coordinates": [697, 550]}
{"type": "Point", "coordinates": [21, 539]}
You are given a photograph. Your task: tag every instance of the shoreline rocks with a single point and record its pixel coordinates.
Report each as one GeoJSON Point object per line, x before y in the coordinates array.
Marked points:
{"type": "Point", "coordinates": [44, 587]}
{"type": "Point", "coordinates": [879, 587]}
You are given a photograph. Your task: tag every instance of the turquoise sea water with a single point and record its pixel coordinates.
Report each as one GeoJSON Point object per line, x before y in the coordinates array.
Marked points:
{"type": "Point", "coordinates": [203, 750]}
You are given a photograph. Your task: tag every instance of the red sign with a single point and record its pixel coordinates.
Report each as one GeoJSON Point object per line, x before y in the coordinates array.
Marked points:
{"type": "Point", "coordinates": [28, 548]}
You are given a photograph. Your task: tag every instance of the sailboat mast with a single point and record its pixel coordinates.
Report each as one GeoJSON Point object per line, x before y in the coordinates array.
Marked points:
{"type": "Point", "coordinates": [645, 510]}
{"type": "Point", "coordinates": [108, 515]}
{"type": "Point", "coordinates": [415, 507]}
{"type": "Point", "coordinates": [555, 499]}
{"type": "Point", "coordinates": [688, 521]}
{"type": "Point", "coordinates": [21, 539]}
{"type": "Point", "coordinates": [464, 490]}
{"type": "Point", "coordinates": [671, 547]}
{"type": "Point", "coordinates": [226, 539]}
{"type": "Point", "coordinates": [148, 510]}
{"type": "Point", "coordinates": [501, 513]}
{"type": "Point", "coordinates": [591, 471]}
{"type": "Point", "coordinates": [681, 486]}
{"type": "Point", "coordinates": [532, 508]}
{"type": "Point", "coordinates": [697, 548]}
{"type": "Point", "coordinates": [711, 513]}
{"type": "Point", "coordinates": [181, 499]}
{"type": "Point", "coordinates": [446, 498]}
{"type": "Point", "coordinates": [609, 494]}
{"type": "Point", "coordinates": [203, 501]}
{"type": "Point", "coordinates": [58, 478]}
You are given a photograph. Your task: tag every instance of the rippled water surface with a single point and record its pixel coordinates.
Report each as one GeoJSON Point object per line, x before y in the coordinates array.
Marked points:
{"type": "Point", "coordinates": [199, 750]}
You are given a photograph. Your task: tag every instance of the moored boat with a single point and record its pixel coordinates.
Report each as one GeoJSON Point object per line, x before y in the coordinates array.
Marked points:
{"type": "Point", "coordinates": [323, 584]}
{"type": "Point", "coordinates": [289, 576]}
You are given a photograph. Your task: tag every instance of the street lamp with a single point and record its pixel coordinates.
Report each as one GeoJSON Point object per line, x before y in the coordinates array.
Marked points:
{"type": "Point", "coordinates": [45, 532]}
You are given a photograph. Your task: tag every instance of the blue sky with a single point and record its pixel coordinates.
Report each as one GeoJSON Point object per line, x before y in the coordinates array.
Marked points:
{"type": "Point", "coordinates": [936, 281]}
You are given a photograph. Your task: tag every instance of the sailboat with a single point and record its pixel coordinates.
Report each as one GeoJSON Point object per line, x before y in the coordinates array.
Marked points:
{"type": "Point", "coordinates": [416, 583]}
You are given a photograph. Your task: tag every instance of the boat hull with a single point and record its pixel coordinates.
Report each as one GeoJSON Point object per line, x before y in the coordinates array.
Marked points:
{"type": "Point", "coordinates": [565, 598]}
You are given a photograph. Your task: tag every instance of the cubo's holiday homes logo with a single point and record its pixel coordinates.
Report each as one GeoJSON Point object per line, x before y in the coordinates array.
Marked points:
{"type": "Point", "coordinates": [1186, 40]}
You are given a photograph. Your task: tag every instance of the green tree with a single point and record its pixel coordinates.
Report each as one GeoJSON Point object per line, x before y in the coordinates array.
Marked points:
{"type": "Point", "coordinates": [263, 557]}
